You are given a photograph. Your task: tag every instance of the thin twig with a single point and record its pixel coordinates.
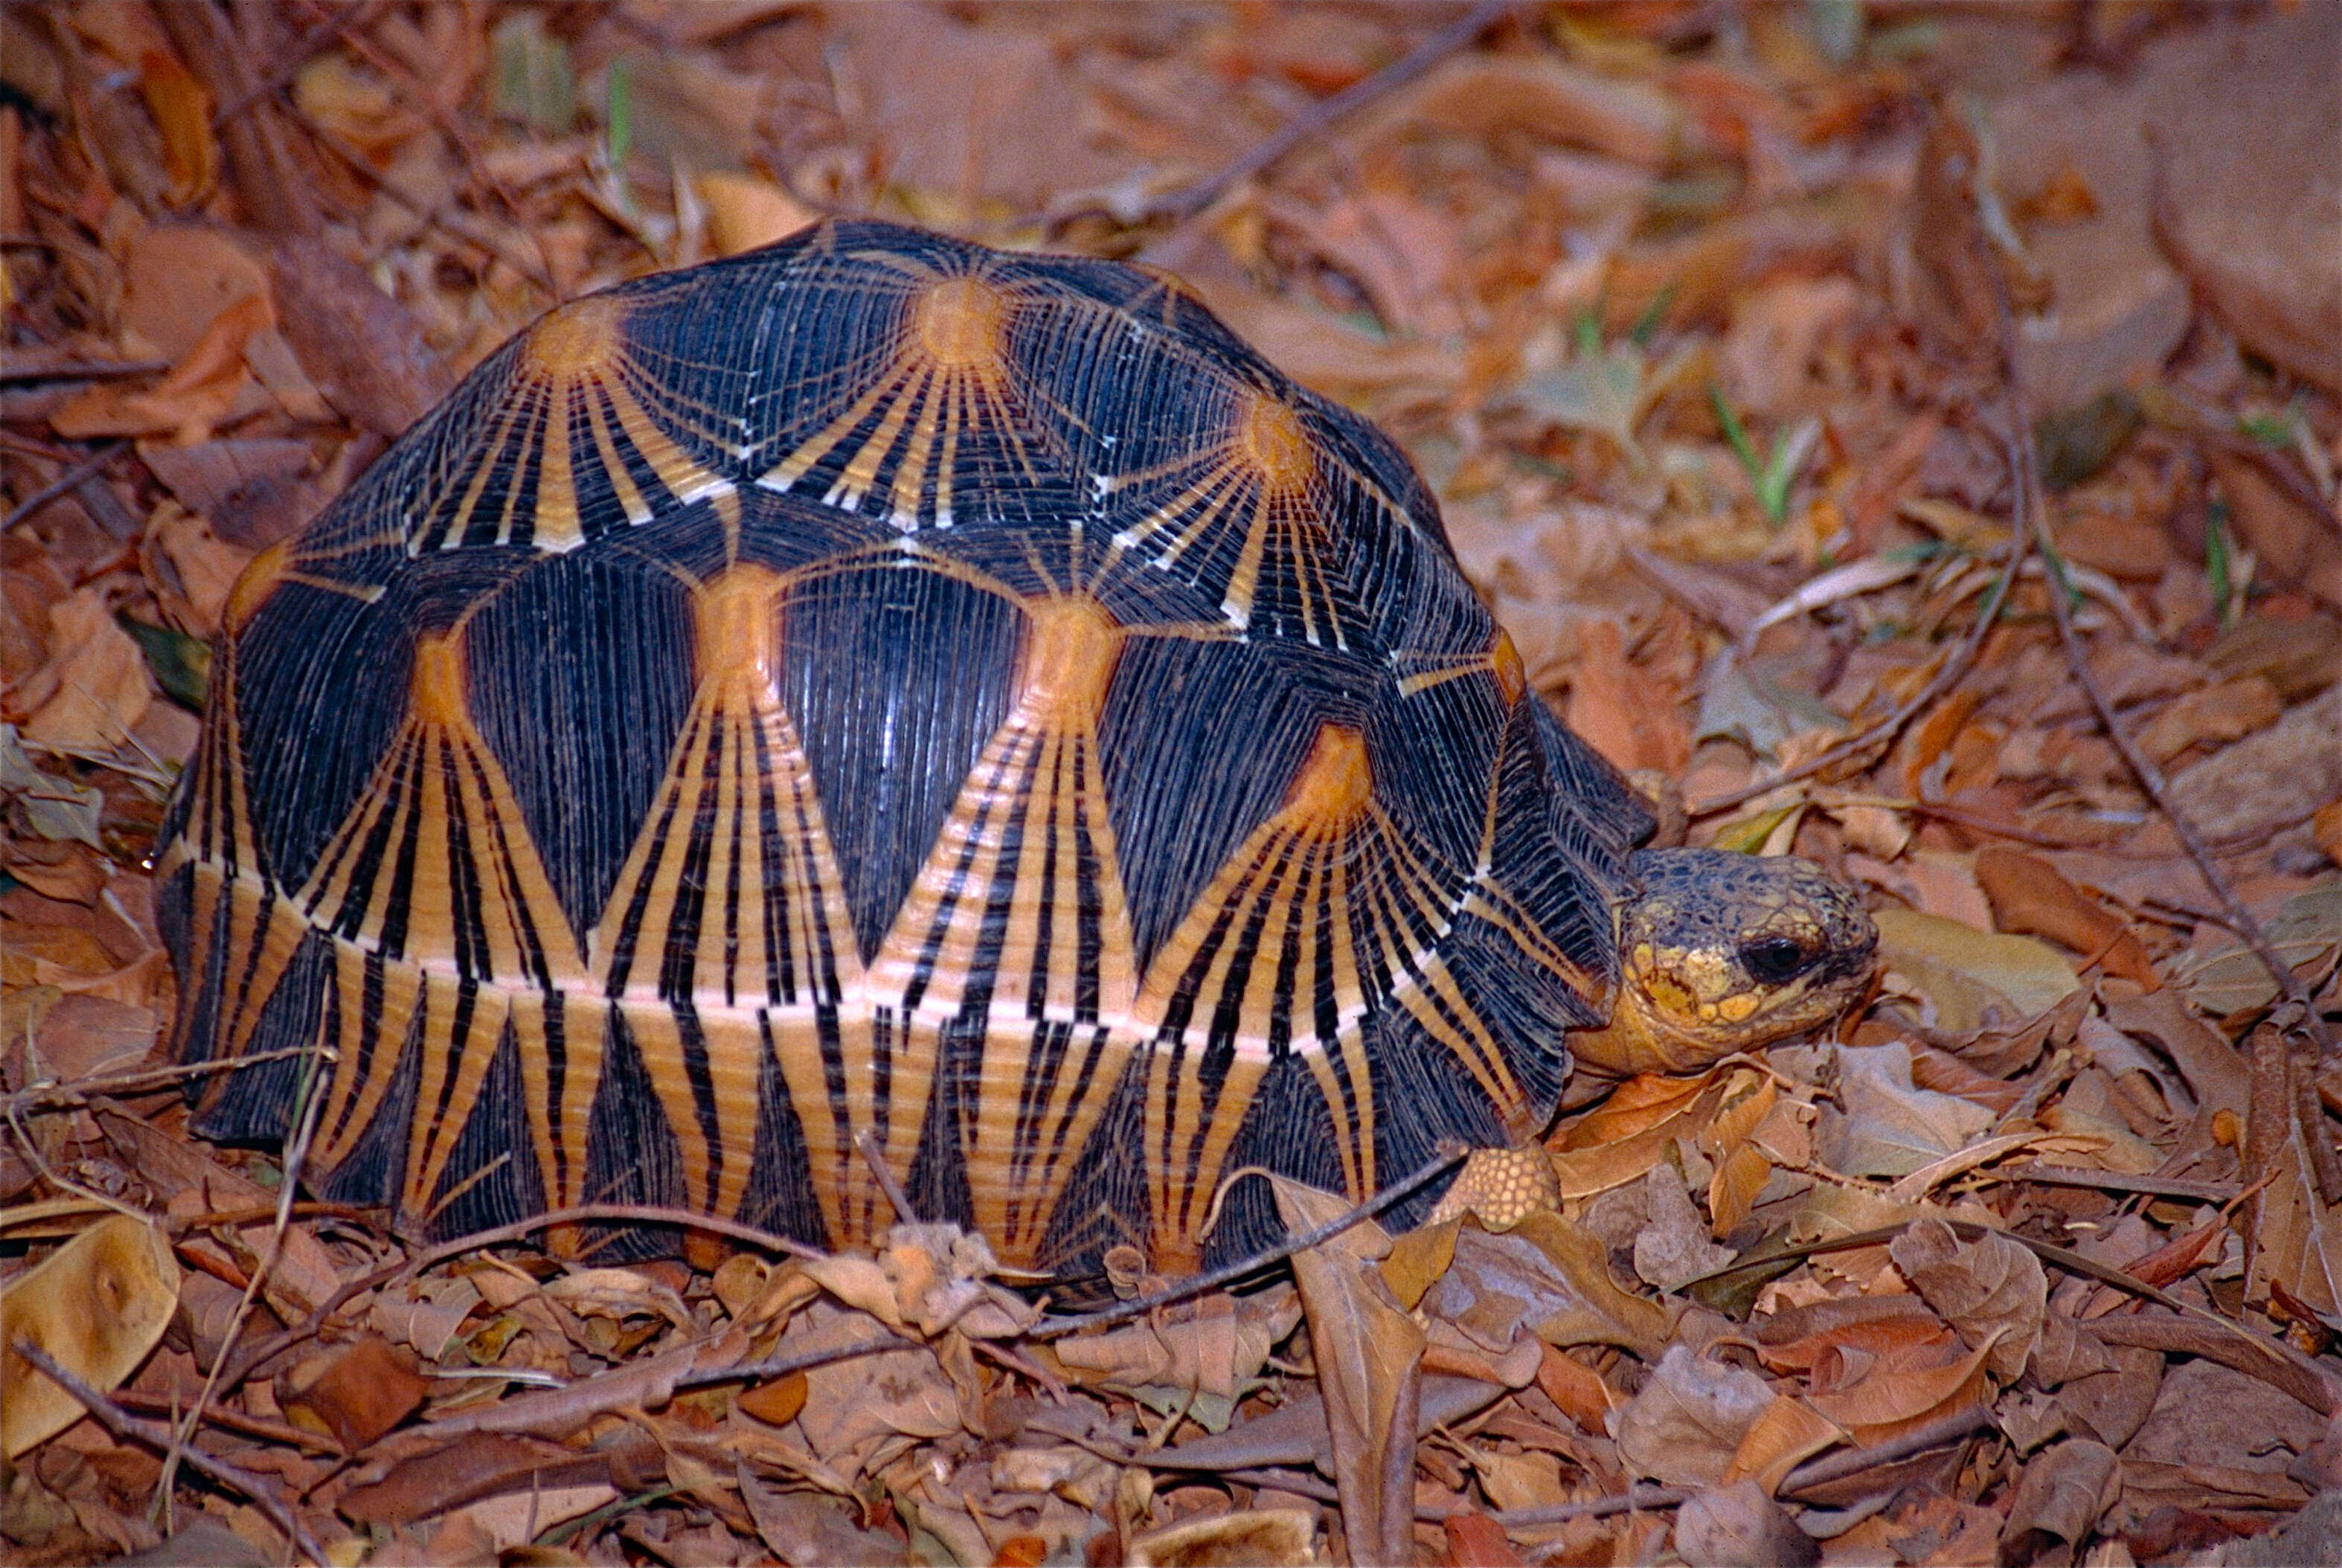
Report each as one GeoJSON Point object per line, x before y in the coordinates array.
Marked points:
{"type": "Point", "coordinates": [83, 370]}
{"type": "Point", "coordinates": [123, 1425]}
{"type": "Point", "coordinates": [1948, 674]}
{"type": "Point", "coordinates": [1182, 204]}
{"type": "Point", "coordinates": [2034, 523]}
{"type": "Point", "coordinates": [297, 1155]}
{"type": "Point", "coordinates": [804, 1360]}
{"type": "Point", "coordinates": [87, 468]}
{"type": "Point", "coordinates": [2115, 1182]}
{"type": "Point", "coordinates": [51, 1094]}
{"type": "Point", "coordinates": [874, 1153]}
{"type": "Point", "coordinates": [1196, 1286]}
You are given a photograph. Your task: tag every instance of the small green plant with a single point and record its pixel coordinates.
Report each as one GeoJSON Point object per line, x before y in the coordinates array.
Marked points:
{"type": "Point", "coordinates": [2219, 565]}
{"type": "Point", "coordinates": [621, 127]}
{"type": "Point", "coordinates": [1775, 473]}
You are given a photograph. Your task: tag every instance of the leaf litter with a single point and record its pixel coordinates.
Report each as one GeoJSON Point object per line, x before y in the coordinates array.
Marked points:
{"type": "Point", "coordinates": [1696, 318]}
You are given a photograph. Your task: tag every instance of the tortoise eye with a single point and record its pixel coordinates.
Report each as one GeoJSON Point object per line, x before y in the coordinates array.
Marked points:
{"type": "Point", "coordinates": [1773, 959]}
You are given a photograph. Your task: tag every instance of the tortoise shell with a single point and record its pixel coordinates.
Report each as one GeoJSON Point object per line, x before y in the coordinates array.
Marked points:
{"type": "Point", "coordinates": [881, 688]}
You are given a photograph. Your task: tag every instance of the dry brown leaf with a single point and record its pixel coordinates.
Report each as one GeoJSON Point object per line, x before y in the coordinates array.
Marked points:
{"type": "Point", "coordinates": [1883, 1125]}
{"type": "Point", "coordinates": [1992, 1291]}
{"type": "Point", "coordinates": [1969, 978]}
{"type": "Point", "coordinates": [1622, 710]}
{"type": "Point", "coordinates": [1739, 1523]}
{"type": "Point", "coordinates": [746, 210]}
{"type": "Point", "coordinates": [1271, 1537]}
{"type": "Point", "coordinates": [1213, 1346]}
{"type": "Point", "coordinates": [2058, 1500]}
{"type": "Point", "coordinates": [96, 1306]}
{"type": "Point", "coordinates": [1369, 1355]}
{"type": "Point", "coordinates": [1895, 1394]}
{"type": "Point", "coordinates": [352, 1393]}
{"type": "Point", "coordinates": [95, 687]}
{"type": "Point", "coordinates": [2029, 896]}
{"type": "Point", "coordinates": [1689, 1419]}
{"type": "Point", "coordinates": [1788, 1433]}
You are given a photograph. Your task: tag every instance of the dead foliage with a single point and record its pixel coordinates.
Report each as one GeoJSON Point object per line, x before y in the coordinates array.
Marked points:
{"type": "Point", "coordinates": [1818, 392]}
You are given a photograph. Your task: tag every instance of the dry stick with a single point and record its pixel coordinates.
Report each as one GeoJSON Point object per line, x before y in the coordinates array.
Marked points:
{"type": "Point", "coordinates": [87, 468]}
{"type": "Point", "coordinates": [2033, 521]}
{"type": "Point", "coordinates": [122, 1423]}
{"type": "Point", "coordinates": [2115, 1182]}
{"type": "Point", "coordinates": [1196, 1286]}
{"type": "Point", "coordinates": [53, 1095]}
{"type": "Point", "coordinates": [1184, 205]}
{"type": "Point", "coordinates": [875, 1154]}
{"type": "Point", "coordinates": [1953, 671]}
{"type": "Point", "coordinates": [805, 1360]}
{"type": "Point", "coordinates": [296, 1154]}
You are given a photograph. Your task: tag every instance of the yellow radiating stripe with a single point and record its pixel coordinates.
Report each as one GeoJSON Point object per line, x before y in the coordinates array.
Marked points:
{"type": "Point", "coordinates": [801, 461]}
{"type": "Point", "coordinates": [557, 526]}
{"type": "Point", "coordinates": [911, 473]}
{"type": "Point", "coordinates": [861, 471]}
{"type": "Point", "coordinates": [621, 481]}
{"type": "Point", "coordinates": [685, 480]}
{"type": "Point", "coordinates": [360, 1082]}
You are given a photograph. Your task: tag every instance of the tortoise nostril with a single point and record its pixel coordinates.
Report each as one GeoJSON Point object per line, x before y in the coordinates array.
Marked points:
{"type": "Point", "coordinates": [1775, 959]}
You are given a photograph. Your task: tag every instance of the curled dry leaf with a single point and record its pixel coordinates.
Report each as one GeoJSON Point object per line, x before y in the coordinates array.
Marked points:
{"type": "Point", "coordinates": [1690, 1420]}
{"type": "Point", "coordinates": [96, 1306]}
{"type": "Point", "coordinates": [1214, 1346]}
{"type": "Point", "coordinates": [2058, 1498]}
{"type": "Point", "coordinates": [1369, 1356]}
{"type": "Point", "coordinates": [352, 1393]}
{"type": "Point", "coordinates": [1741, 1524]}
{"type": "Point", "coordinates": [1991, 1290]}
{"type": "Point", "coordinates": [1968, 978]}
{"type": "Point", "coordinates": [1271, 1537]}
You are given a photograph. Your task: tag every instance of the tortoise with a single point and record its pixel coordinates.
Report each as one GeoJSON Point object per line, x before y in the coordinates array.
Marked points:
{"type": "Point", "coordinates": [881, 696]}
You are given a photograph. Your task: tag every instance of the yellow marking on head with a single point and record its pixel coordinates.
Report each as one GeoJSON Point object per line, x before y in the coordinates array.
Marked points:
{"type": "Point", "coordinates": [1734, 1009]}
{"type": "Point", "coordinates": [738, 621]}
{"type": "Point", "coordinates": [1270, 436]}
{"type": "Point", "coordinates": [1335, 781]}
{"type": "Point", "coordinates": [437, 685]}
{"type": "Point", "coordinates": [1668, 993]}
{"type": "Point", "coordinates": [1512, 680]}
{"type": "Point", "coordinates": [576, 339]}
{"type": "Point", "coordinates": [1070, 650]}
{"type": "Point", "coordinates": [962, 324]}
{"type": "Point", "coordinates": [255, 584]}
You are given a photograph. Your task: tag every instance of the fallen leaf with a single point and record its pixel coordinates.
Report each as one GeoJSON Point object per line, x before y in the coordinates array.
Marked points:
{"type": "Point", "coordinates": [1883, 1124]}
{"type": "Point", "coordinates": [746, 210]}
{"type": "Point", "coordinates": [96, 1306]}
{"type": "Point", "coordinates": [1673, 1249]}
{"type": "Point", "coordinates": [1992, 1289]}
{"type": "Point", "coordinates": [2030, 897]}
{"type": "Point", "coordinates": [96, 678]}
{"type": "Point", "coordinates": [1689, 1419]}
{"type": "Point", "coordinates": [354, 1392]}
{"type": "Point", "coordinates": [183, 112]}
{"type": "Point", "coordinates": [1739, 1523]}
{"type": "Point", "coordinates": [1273, 1538]}
{"type": "Point", "coordinates": [1368, 1356]}
{"type": "Point", "coordinates": [53, 808]}
{"type": "Point", "coordinates": [1971, 978]}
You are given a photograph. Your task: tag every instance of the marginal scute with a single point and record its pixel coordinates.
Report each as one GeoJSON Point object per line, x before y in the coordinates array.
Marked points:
{"type": "Point", "coordinates": [576, 339]}
{"type": "Point", "coordinates": [962, 324]}
{"type": "Point", "coordinates": [1273, 440]}
{"type": "Point", "coordinates": [1335, 781]}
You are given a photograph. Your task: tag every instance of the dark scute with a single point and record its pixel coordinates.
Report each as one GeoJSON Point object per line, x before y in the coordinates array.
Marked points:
{"type": "Point", "coordinates": [1432, 754]}
{"type": "Point", "coordinates": [1561, 872]}
{"type": "Point", "coordinates": [1105, 1204]}
{"type": "Point", "coordinates": [255, 1103]}
{"type": "Point", "coordinates": [787, 532]}
{"type": "Point", "coordinates": [1289, 1130]}
{"type": "Point", "coordinates": [1597, 815]}
{"type": "Point", "coordinates": [375, 1167]}
{"type": "Point", "coordinates": [581, 675]}
{"type": "Point", "coordinates": [491, 1177]}
{"type": "Point", "coordinates": [780, 1196]}
{"type": "Point", "coordinates": [632, 1155]}
{"type": "Point", "coordinates": [1200, 741]}
{"type": "Point", "coordinates": [896, 678]}
{"type": "Point", "coordinates": [1377, 458]}
{"type": "Point", "coordinates": [320, 689]}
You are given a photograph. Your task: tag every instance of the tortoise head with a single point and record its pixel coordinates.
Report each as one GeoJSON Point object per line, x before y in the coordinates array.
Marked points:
{"type": "Point", "coordinates": [1720, 953]}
